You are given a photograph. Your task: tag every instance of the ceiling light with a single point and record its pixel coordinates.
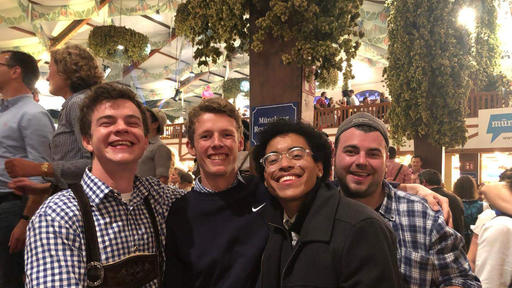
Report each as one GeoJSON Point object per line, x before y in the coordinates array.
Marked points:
{"type": "Point", "coordinates": [466, 18]}
{"type": "Point", "coordinates": [120, 47]}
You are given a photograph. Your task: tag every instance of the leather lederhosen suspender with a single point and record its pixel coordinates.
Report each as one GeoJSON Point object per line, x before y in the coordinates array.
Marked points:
{"type": "Point", "coordinates": [132, 271]}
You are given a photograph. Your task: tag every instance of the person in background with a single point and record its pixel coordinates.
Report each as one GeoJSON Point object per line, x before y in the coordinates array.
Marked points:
{"type": "Point", "coordinates": [493, 263]}
{"type": "Point", "coordinates": [310, 221]}
{"type": "Point", "coordinates": [345, 94]}
{"type": "Point", "coordinates": [432, 180]}
{"type": "Point", "coordinates": [73, 72]}
{"type": "Point", "coordinates": [25, 133]}
{"type": "Point", "coordinates": [342, 102]}
{"type": "Point", "coordinates": [156, 160]}
{"type": "Point", "coordinates": [366, 101]}
{"type": "Point", "coordinates": [353, 98]}
{"type": "Point", "coordinates": [174, 178]}
{"type": "Point", "coordinates": [186, 180]}
{"type": "Point", "coordinates": [500, 198]}
{"type": "Point", "coordinates": [465, 188]}
{"type": "Point", "coordinates": [322, 101]}
{"type": "Point", "coordinates": [396, 172]}
{"type": "Point", "coordinates": [331, 103]}
{"type": "Point", "coordinates": [242, 162]}
{"type": "Point", "coordinates": [383, 98]}
{"type": "Point", "coordinates": [416, 163]}
{"type": "Point", "coordinates": [498, 194]}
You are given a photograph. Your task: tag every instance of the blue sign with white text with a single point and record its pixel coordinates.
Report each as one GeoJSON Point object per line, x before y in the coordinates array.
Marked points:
{"type": "Point", "coordinates": [498, 124]}
{"type": "Point", "coordinates": [261, 116]}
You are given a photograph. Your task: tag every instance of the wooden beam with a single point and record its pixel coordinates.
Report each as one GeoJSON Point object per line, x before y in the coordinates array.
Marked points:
{"type": "Point", "coordinates": [215, 74]}
{"type": "Point", "coordinates": [241, 73]}
{"type": "Point", "coordinates": [156, 21]}
{"type": "Point", "coordinates": [189, 81]}
{"type": "Point", "coordinates": [72, 29]}
{"type": "Point", "coordinates": [23, 31]}
{"type": "Point", "coordinates": [128, 69]}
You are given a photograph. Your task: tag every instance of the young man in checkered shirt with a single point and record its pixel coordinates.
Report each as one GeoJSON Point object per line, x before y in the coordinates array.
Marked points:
{"type": "Point", "coordinates": [114, 129]}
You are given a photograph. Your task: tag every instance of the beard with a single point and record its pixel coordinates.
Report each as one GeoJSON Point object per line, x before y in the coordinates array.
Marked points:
{"type": "Point", "coordinates": [358, 192]}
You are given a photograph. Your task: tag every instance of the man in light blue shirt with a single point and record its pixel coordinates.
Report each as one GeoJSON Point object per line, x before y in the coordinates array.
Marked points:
{"type": "Point", "coordinates": [25, 131]}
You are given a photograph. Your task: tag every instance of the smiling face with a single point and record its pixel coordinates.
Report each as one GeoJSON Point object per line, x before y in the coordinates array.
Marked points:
{"type": "Point", "coordinates": [216, 145]}
{"type": "Point", "coordinates": [360, 163]}
{"type": "Point", "coordinates": [290, 180]}
{"type": "Point", "coordinates": [117, 135]}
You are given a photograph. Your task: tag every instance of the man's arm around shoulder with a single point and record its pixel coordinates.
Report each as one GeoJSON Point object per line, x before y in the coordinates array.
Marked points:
{"type": "Point", "coordinates": [451, 265]}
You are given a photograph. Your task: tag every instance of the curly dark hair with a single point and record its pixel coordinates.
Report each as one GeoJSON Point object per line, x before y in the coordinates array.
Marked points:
{"type": "Point", "coordinates": [465, 187]}
{"type": "Point", "coordinates": [318, 143]}
{"type": "Point", "coordinates": [78, 66]}
{"type": "Point", "coordinates": [107, 92]}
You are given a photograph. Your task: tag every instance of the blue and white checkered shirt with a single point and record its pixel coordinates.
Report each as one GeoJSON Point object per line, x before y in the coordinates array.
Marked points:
{"type": "Point", "coordinates": [55, 251]}
{"type": "Point", "coordinates": [430, 254]}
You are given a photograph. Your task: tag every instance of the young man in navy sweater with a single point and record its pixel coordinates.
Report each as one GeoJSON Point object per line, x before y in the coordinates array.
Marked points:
{"type": "Point", "coordinates": [215, 234]}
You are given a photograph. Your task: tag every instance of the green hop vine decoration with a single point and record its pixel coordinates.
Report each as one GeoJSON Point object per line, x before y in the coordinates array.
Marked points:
{"type": "Point", "coordinates": [428, 73]}
{"type": "Point", "coordinates": [325, 32]}
{"type": "Point", "coordinates": [104, 42]}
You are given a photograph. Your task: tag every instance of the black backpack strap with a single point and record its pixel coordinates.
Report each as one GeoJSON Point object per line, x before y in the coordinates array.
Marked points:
{"type": "Point", "coordinates": [94, 271]}
{"type": "Point", "coordinates": [156, 233]}
{"type": "Point", "coordinates": [398, 172]}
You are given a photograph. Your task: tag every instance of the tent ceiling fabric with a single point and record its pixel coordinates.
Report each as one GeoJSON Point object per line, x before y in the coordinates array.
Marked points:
{"type": "Point", "coordinates": [36, 26]}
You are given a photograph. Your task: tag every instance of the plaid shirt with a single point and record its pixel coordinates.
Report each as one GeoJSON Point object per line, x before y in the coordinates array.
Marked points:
{"type": "Point", "coordinates": [430, 254]}
{"type": "Point", "coordinates": [55, 252]}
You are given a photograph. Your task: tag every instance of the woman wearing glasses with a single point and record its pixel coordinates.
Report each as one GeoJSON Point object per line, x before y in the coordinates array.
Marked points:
{"type": "Point", "coordinates": [318, 237]}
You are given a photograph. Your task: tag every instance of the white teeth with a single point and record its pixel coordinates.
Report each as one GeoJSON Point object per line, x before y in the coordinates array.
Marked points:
{"type": "Point", "coordinates": [287, 178]}
{"type": "Point", "coordinates": [360, 174]}
{"type": "Point", "coordinates": [218, 157]}
{"type": "Point", "coordinates": [119, 143]}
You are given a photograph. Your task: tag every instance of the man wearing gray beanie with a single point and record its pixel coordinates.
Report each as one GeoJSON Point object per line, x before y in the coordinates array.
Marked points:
{"type": "Point", "coordinates": [430, 253]}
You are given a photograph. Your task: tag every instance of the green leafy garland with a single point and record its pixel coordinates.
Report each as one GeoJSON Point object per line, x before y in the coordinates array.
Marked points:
{"type": "Point", "coordinates": [104, 42]}
{"type": "Point", "coordinates": [320, 29]}
{"type": "Point", "coordinates": [231, 87]}
{"type": "Point", "coordinates": [428, 72]}
{"type": "Point", "coordinates": [487, 53]}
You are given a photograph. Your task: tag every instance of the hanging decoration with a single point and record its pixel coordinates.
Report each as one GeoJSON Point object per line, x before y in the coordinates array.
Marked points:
{"type": "Point", "coordinates": [119, 44]}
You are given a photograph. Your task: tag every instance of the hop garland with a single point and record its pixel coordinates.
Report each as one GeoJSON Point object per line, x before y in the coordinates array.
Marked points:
{"type": "Point", "coordinates": [428, 72]}
{"type": "Point", "coordinates": [324, 31]}
{"type": "Point", "coordinates": [105, 40]}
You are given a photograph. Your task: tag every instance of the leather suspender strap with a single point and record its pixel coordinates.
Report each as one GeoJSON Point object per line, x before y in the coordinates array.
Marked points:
{"type": "Point", "coordinates": [398, 172]}
{"type": "Point", "coordinates": [158, 243]}
{"type": "Point", "coordinates": [94, 272]}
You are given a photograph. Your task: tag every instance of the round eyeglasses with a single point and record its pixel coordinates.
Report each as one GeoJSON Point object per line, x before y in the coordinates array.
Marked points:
{"type": "Point", "coordinates": [294, 153]}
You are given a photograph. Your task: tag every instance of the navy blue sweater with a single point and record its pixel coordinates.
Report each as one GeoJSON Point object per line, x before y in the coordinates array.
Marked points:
{"type": "Point", "coordinates": [215, 239]}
